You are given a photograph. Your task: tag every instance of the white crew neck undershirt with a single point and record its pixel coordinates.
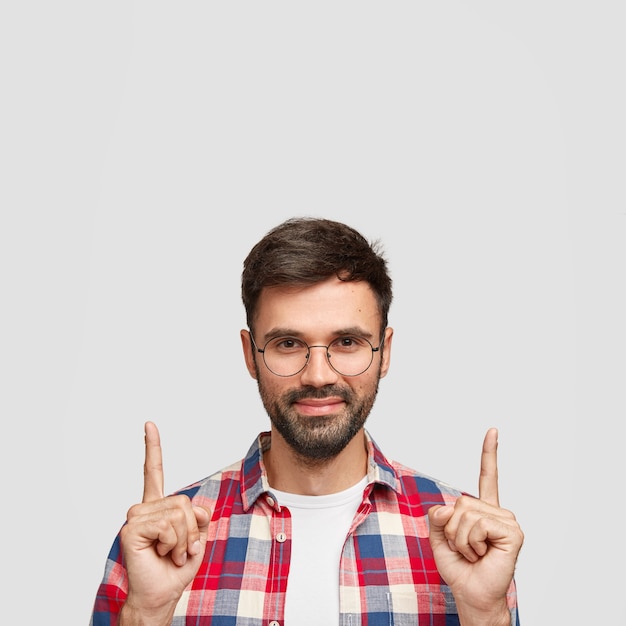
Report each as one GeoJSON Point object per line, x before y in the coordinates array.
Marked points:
{"type": "Point", "coordinates": [320, 525]}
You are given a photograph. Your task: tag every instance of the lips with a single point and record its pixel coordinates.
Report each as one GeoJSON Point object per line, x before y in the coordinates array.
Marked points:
{"type": "Point", "coordinates": [319, 406]}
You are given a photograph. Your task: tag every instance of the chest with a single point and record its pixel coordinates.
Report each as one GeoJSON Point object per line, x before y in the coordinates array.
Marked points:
{"type": "Point", "coordinates": [379, 567]}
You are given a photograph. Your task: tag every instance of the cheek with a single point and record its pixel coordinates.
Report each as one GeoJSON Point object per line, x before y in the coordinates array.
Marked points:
{"type": "Point", "coordinates": [271, 386]}
{"type": "Point", "coordinates": [368, 380]}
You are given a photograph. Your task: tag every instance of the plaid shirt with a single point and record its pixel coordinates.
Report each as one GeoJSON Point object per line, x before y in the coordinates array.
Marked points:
{"type": "Point", "coordinates": [387, 573]}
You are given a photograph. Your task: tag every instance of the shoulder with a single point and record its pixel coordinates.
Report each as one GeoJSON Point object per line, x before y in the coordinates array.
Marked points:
{"type": "Point", "coordinates": [414, 484]}
{"type": "Point", "coordinates": [218, 485]}
{"type": "Point", "coordinates": [407, 482]}
{"type": "Point", "coordinates": [242, 481]}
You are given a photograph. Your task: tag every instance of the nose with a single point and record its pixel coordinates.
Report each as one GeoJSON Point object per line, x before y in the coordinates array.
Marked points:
{"type": "Point", "coordinates": [318, 372]}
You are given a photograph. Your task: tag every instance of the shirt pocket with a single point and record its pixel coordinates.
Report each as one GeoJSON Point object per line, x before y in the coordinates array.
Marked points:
{"type": "Point", "coordinates": [402, 608]}
{"type": "Point", "coordinates": [405, 606]}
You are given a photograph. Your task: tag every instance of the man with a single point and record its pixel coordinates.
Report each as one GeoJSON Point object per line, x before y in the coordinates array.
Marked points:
{"type": "Point", "coordinates": [315, 525]}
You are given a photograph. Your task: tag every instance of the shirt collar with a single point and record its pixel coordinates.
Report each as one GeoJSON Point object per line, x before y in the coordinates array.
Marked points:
{"type": "Point", "coordinates": [254, 482]}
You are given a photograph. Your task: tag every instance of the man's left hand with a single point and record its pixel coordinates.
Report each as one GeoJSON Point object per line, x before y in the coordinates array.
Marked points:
{"type": "Point", "coordinates": [476, 543]}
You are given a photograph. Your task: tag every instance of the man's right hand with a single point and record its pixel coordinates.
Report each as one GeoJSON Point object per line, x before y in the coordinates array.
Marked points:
{"type": "Point", "coordinates": [163, 544]}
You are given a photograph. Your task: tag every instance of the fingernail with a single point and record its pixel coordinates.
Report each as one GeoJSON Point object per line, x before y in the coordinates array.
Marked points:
{"type": "Point", "coordinates": [195, 548]}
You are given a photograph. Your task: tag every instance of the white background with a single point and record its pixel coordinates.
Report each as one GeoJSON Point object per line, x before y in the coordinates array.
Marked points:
{"type": "Point", "coordinates": [146, 146]}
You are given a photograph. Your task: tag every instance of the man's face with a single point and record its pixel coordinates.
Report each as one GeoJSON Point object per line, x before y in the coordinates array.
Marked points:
{"type": "Point", "coordinates": [318, 411]}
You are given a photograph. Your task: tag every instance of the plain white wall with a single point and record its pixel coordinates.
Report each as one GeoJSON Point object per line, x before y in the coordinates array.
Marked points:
{"type": "Point", "coordinates": [146, 146]}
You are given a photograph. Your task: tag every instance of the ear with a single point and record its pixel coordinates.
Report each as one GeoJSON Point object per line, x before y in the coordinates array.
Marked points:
{"type": "Point", "coordinates": [248, 351]}
{"type": "Point", "coordinates": [386, 357]}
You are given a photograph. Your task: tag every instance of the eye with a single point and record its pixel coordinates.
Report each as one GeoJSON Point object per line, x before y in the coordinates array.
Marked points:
{"type": "Point", "coordinates": [349, 344]}
{"type": "Point", "coordinates": [287, 345]}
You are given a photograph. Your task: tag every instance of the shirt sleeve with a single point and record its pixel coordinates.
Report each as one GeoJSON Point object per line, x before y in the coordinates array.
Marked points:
{"type": "Point", "coordinates": [112, 591]}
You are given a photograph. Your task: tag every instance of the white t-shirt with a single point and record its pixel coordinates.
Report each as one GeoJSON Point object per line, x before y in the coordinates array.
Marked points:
{"type": "Point", "coordinates": [320, 525]}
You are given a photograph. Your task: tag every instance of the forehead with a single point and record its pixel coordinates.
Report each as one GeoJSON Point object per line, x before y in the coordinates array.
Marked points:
{"type": "Point", "coordinates": [325, 307]}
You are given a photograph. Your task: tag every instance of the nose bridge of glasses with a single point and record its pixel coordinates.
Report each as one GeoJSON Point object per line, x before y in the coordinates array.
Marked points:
{"type": "Point", "coordinates": [326, 352]}
{"type": "Point", "coordinates": [318, 370]}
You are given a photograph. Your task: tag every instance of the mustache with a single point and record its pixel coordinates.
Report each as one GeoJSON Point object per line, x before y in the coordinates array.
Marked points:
{"type": "Point", "coordinates": [318, 393]}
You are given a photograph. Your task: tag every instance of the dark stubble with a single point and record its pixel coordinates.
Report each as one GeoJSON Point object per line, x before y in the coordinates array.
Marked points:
{"type": "Point", "coordinates": [319, 438]}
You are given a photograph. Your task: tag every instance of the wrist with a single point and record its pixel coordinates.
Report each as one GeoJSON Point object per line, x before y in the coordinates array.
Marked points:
{"type": "Point", "coordinates": [134, 615]}
{"type": "Point", "coordinates": [500, 616]}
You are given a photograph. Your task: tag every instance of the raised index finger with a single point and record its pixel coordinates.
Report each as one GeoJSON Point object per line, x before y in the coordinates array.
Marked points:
{"type": "Point", "coordinates": [488, 481]}
{"type": "Point", "coordinates": [153, 466]}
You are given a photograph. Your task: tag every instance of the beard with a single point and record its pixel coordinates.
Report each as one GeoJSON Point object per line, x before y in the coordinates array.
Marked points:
{"type": "Point", "coordinates": [321, 438]}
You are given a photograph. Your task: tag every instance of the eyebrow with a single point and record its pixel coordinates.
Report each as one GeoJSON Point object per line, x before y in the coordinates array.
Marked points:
{"type": "Point", "coordinates": [284, 331]}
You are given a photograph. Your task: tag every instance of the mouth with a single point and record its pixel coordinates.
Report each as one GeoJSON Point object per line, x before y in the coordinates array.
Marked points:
{"type": "Point", "coordinates": [315, 407]}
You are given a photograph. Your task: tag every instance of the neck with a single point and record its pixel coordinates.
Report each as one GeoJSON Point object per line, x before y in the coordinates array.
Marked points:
{"type": "Point", "coordinates": [290, 472]}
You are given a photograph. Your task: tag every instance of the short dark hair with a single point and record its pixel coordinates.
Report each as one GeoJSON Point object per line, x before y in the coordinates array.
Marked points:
{"type": "Point", "coordinates": [304, 251]}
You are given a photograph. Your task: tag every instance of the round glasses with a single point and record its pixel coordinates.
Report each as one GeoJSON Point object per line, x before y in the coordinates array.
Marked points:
{"type": "Point", "coordinates": [287, 356]}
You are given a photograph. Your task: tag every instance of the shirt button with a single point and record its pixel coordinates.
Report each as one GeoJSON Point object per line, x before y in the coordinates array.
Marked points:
{"type": "Point", "coordinates": [270, 500]}
{"type": "Point", "coordinates": [280, 537]}
{"type": "Point", "coordinates": [274, 623]}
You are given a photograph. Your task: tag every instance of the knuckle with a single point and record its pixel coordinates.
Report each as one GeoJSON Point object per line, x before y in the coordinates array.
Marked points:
{"type": "Point", "coordinates": [163, 525]}
{"type": "Point", "coordinates": [134, 511]}
{"type": "Point", "coordinates": [465, 502]}
{"type": "Point", "coordinates": [180, 500]}
{"type": "Point", "coordinates": [176, 517]}
{"type": "Point", "coordinates": [508, 514]}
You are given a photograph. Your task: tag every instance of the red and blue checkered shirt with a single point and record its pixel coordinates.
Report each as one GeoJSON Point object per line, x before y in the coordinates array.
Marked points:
{"type": "Point", "coordinates": [387, 574]}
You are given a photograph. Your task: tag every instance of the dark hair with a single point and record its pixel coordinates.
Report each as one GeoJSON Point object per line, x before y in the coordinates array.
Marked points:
{"type": "Point", "coordinates": [304, 251]}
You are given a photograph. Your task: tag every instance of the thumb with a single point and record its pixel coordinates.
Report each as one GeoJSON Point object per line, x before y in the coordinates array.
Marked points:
{"type": "Point", "coordinates": [203, 517]}
{"type": "Point", "coordinates": [438, 517]}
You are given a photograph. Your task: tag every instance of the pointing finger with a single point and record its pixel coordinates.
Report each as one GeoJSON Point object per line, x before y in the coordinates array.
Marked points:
{"type": "Point", "coordinates": [153, 466]}
{"type": "Point", "coordinates": [488, 481]}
